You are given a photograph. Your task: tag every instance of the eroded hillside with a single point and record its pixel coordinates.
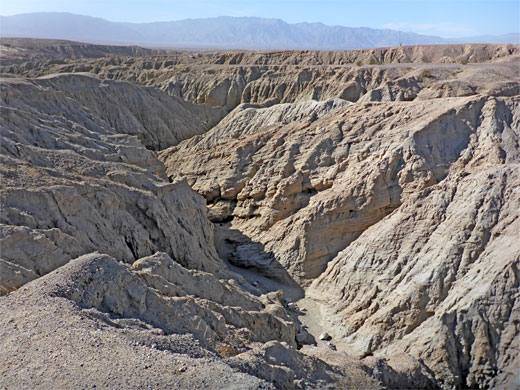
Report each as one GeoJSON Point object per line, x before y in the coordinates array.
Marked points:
{"type": "Point", "coordinates": [209, 215]}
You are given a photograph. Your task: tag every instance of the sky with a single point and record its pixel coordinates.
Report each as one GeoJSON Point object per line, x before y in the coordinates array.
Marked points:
{"type": "Point", "coordinates": [445, 18]}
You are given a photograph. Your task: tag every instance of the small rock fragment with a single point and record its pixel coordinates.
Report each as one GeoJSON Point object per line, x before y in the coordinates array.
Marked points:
{"type": "Point", "coordinates": [325, 336]}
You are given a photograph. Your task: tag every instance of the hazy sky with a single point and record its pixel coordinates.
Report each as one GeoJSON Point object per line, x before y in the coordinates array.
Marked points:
{"type": "Point", "coordinates": [446, 18]}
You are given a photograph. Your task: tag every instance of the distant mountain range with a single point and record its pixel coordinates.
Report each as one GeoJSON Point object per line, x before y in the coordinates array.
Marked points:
{"type": "Point", "coordinates": [221, 32]}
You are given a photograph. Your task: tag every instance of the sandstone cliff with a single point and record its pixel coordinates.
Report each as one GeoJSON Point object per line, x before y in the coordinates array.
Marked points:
{"type": "Point", "coordinates": [405, 212]}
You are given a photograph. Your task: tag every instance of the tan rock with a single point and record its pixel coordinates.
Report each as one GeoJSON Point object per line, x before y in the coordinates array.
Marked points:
{"type": "Point", "coordinates": [74, 180]}
{"type": "Point", "coordinates": [377, 203]}
{"type": "Point", "coordinates": [405, 212]}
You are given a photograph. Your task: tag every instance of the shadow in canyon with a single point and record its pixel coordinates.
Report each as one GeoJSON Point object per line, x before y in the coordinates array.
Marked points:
{"type": "Point", "coordinates": [254, 263]}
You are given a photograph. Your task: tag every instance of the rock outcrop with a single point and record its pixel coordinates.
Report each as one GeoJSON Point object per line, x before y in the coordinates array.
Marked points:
{"type": "Point", "coordinates": [438, 278]}
{"type": "Point", "coordinates": [405, 212]}
{"type": "Point", "coordinates": [92, 308]}
{"type": "Point", "coordinates": [77, 177]}
{"type": "Point", "coordinates": [80, 317]}
{"type": "Point", "coordinates": [19, 50]}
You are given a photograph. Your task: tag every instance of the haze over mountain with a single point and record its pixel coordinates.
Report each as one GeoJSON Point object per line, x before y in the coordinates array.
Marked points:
{"type": "Point", "coordinates": [220, 32]}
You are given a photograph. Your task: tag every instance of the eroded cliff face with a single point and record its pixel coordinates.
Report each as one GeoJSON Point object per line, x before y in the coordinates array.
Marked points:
{"type": "Point", "coordinates": [377, 203]}
{"type": "Point", "coordinates": [87, 209]}
{"type": "Point", "coordinates": [404, 214]}
{"type": "Point", "coordinates": [438, 278]}
{"type": "Point", "coordinates": [77, 176]}
{"type": "Point", "coordinates": [227, 79]}
{"type": "Point", "coordinates": [331, 177]}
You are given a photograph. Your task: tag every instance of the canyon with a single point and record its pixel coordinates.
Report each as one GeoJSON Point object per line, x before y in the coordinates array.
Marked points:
{"type": "Point", "coordinates": [259, 219]}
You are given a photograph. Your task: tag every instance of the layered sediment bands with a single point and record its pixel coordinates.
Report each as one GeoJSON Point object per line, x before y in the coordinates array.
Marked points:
{"type": "Point", "coordinates": [374, 205]}
{"type": "Point", "coordinates": [214, 313]}
{"type": "Point", "coordinates": [307, 189]}
{"type": "Point", "coordinates": [76, 176]}
{"type": "Point", "coordinates": [438, 278]}
{"type": "Point", "coordinates": [19, 50]}
{"type": "Point", "coordinates": [87, 211]}
{"type": "Point", "coordinates": [410, 208]}
{"type": "Point", "coordinates": [171, 332]}
{"type": "Point", "coordinates": [407, 54]}
{"type": "Point", "coordinates": [158, 120]}
{"type": "Point", "coordinates": [229, 79]}
{"type": "Point", "coordinates": [231, 85]}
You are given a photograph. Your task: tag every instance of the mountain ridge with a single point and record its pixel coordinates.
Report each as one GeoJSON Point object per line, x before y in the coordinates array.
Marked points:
{"type": "Point", "coordinates": [219, 32]}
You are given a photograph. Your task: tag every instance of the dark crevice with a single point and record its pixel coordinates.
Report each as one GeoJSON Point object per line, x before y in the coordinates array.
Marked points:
{"type": "Point", "coordinates": [227, 219]}
{"type": "Point", "coordinates": [131, 245]}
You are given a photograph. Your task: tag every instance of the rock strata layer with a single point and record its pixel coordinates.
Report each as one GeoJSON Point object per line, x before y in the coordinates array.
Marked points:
{"type": "Point", "coordinates": [77, 177]}
{"type": "Point", "coordinates": [403, 215]}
